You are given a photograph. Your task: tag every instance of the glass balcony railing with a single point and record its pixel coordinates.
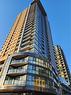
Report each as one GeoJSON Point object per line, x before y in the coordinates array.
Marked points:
{"type": "Point", "coordinates": [19, 62]}
{"type": "Point", "coordinates": [15, 82]}
{"type": "Point", "coordinates": [11, 71]}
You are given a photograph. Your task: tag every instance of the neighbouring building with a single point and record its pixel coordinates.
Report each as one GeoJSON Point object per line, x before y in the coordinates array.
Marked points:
{"type": "Point", "coordinates": [62, 66]}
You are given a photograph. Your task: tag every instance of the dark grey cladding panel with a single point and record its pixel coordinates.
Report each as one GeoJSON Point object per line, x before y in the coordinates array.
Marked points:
{"type": "Point", "coordinates": [40, 6]}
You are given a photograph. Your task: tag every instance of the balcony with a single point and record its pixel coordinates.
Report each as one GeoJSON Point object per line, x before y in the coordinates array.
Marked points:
{"type": "Point", "coordinates": [25, 39]}
{"type": "Point", "coordinates": [16, 72]}
{"type": "Point", "coordinates": [14, 83]}
{"type": "Point", "coordinates": [25, 44]}
{"type": "Point", "coordinates": [27, 35]}
{"type": "Point", "coordinates": [18, 63]}
{"type": "Point", "coordinates": [28, 47]}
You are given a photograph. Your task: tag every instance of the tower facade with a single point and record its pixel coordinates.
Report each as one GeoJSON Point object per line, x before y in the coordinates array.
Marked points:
{"type": "Point", "coordinates": [12, 42]}
{"type": "Point", "coordinates": [27, 57]}
{"type": "Point", "coordinates": [62, 67]}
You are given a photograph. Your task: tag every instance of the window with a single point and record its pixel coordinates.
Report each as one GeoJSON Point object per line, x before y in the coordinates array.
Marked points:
{"type": "Point", "coordinates": [26, 59]}
{"type": "Point", "coordinates": [30, 58]}
{"type": "Point", "coordinates": [37, 82]}
{"type": "Point", "coordinates": [30, 80]}
{"type": "Point", "coordinates": [37, 59]}
{"type": "Point", "coordinates": [43, 83]}
{"type": "Point", "coordinates": [50, 83]}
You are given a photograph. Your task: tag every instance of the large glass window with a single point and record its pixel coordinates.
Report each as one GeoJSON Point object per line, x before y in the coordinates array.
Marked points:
{"type": "Point", "coordinates": [30, 80]}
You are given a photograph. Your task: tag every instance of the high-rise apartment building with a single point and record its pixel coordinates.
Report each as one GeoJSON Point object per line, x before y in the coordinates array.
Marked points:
{"type": "Point", "coordinates": [27, 57]}
{"type": "Point", "coordinates": [62, 67]}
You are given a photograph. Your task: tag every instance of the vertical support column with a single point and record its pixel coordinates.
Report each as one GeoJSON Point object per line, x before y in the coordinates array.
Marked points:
{"type": "Point", "coordinates": [4, 70]}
